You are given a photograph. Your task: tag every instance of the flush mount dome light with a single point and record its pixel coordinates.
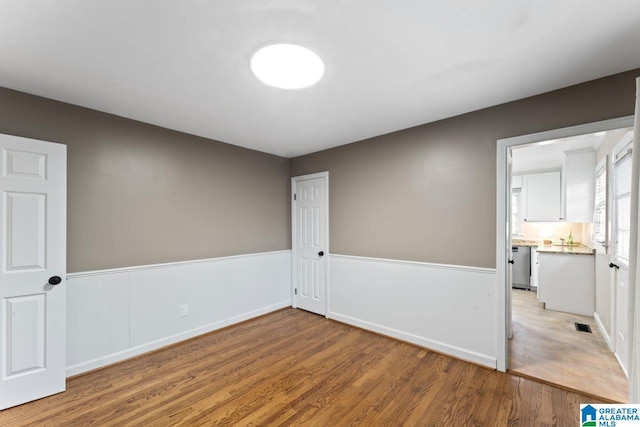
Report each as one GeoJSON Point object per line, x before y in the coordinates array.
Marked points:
{"type": "Point", "coordinates": [287, 66]}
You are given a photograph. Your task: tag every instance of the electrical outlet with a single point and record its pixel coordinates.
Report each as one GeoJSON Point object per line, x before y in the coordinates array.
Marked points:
{"type": "Point", "coordinates": [184, 310]}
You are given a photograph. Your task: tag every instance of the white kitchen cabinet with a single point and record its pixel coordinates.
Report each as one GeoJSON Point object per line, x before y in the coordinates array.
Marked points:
{"type": "Point", "coordinates": [578, 185]}
{"type": "Point", "coordinates": [542, 196]}
{"type": "Point", "coordinates": [566, 282]}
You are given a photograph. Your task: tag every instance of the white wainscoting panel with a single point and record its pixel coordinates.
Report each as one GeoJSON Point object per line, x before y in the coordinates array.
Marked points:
{"type": "Point", "coordinates": [116, 314]}
{"type": "Point", "coordinates": [450, 309]}
{"type": "Point", "coordinates": [97, 316]}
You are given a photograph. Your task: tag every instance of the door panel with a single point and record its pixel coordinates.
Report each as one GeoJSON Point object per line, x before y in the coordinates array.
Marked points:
{"type": "Point", "coordinates": [622, 323]}
{"type": "Point", "coordinates": [25, 334]}
{"type": "Point", "coordinates": [25, 231]}
{"type": "Point", "coordinates": [310, 245]}
{"type": "Point", "coordinates": [32, 249]}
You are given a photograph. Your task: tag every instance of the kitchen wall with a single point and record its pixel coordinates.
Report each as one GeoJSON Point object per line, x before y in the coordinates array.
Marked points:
{"type": "Point", "coordinates": [429, 193]}
{"type": "Point", "coordinates": [553, 230]}
{"type": "Point", "coordinates": [140, 194]}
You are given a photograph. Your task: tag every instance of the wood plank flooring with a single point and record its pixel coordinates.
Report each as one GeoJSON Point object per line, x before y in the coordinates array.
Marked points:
{"type": "Point", "coordinates": [291, 367]}
{"type": "Point", "coordinates": [546, 345]}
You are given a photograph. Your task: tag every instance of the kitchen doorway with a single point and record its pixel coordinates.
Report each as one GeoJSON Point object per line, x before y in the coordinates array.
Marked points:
{"type": "Point", "coordinates": [543, 211]}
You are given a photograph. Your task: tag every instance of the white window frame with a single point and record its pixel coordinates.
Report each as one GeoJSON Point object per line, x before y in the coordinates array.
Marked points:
{"type": "Point", "coordinates": [602, 241]}
{"type": "Point", "coordinates": [517, 228]}
{"type": "Point", "coordinates": [622, 151]}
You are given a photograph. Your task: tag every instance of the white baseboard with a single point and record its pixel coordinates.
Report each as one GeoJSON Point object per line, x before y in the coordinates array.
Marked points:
{"type": "Point", "coordinates": [448, 308]}
{"type": "Point", "coordinates": [621, 365]}
{"type": "Point", "coordinates": [440, 347]}
{"type": "Point", "coordinates": [154, 345]}
{"type": "Point", "coordinates": [116, 314]}
{"type": "Point", "coordinates": [603, 331]}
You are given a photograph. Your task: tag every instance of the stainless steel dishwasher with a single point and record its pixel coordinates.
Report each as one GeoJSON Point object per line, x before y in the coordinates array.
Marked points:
{"type": "Point", "coordinates": [521, 256]}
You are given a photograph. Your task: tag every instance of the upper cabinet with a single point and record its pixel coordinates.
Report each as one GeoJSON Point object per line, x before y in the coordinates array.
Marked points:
{"type": "Point", "coordinates": [560, 196]}
{"type": "Point", "coordinates": [543, 196]}
{"type": "Point", "coordinates": [578, 185]}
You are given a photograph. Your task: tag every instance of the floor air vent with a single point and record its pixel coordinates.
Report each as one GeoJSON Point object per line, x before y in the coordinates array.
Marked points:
{"type": "Point", "coordinates": [581, 327]}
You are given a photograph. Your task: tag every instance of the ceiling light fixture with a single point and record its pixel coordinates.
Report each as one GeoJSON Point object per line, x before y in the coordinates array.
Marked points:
{"type": "Point", "coordinates": [287, 66]}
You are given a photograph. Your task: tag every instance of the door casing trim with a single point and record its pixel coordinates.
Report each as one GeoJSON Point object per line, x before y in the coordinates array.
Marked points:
{"type": "Point", "coordinates": [501, 213]}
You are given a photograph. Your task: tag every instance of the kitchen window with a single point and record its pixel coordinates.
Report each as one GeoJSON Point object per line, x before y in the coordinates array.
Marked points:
{"type": "Point", "coordinates": [516, 212]}
{"type": "Point", "coordinates": [600, 208]}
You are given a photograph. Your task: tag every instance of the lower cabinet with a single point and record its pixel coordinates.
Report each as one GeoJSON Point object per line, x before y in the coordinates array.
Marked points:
{"type": "Point", "coordinates": [566, 282]}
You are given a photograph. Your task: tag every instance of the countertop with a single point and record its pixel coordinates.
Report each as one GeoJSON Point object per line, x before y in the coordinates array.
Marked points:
{"type": "Point", "coordinates": [521, 242]}
{"type": "Point", "coordinates": [578, 249]}
{"type": "Point", "coordinates": [574, 250]}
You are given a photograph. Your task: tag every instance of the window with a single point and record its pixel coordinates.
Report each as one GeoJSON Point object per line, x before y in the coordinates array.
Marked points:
{"type": "Point", "coordinates": [516, 211]}
{"type": "Point", "coordinates": [600, 208]}
{"type": "Point", "coordinates": [622, 200]}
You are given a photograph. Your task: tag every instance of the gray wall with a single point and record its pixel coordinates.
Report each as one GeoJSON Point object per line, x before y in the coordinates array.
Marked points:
{"type": "Point", "coordinates": [140, 194]}
{"type": "Point", "coordinates": [429, 193]}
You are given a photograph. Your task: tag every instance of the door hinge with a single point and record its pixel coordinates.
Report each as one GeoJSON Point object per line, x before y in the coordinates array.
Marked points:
{"type": "Point", "coordinates": [295, 196]}
{"type": "Point", "coordinates": [295, 291]}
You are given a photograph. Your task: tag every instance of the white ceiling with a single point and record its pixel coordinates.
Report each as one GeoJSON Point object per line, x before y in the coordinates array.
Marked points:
{"type": "Point", "coordinates": [548, 155]}
{"type": "Point", "coordinates": [184, 64]}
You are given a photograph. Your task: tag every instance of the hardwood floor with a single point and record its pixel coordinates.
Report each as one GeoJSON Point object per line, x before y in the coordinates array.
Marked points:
{"type": "Point", "coordinates": [295, 368]}
{"type": "Point", "coordinates": [545, 345]}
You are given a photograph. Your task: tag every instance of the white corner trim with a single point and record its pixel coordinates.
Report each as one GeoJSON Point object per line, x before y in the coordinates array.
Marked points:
{"type": "Point", "coordinates": [428, 344]}
{"type": "Point", "coordinates": [420, 264]}
{"type": "Point", "coordinates": [168, 264]}
{"type": "Point", "coordinates": [603, 331]}
{"type": "Point", "coordinates": [154, 345]}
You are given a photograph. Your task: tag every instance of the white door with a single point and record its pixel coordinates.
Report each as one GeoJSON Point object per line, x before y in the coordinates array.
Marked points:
{"type": "Point", "coordinates": [33, 268]}
{"type": "Point", "coordinates": [509, 245]}
{"type": "Point", "coordinates": [621, 232]}
{"type": "Point", "coordinates": [622, 320]}
{"type": "Point", "coordinates": [604, 274]}
{"type": "Point", "coordinates": [310, 227]}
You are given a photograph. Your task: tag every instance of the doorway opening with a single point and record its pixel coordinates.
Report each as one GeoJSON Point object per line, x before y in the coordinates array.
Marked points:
{"type": "Point", "coordinates": [550, 223]}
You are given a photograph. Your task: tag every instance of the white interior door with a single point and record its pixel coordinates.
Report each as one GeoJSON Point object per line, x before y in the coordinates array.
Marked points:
{"type": "Point", "coordinates": [509, 245]}
{"type": "Point", "coordinates": [310, 242]}
{"type": "Point", "coordinates": [604, 274]}
{"type": "Point", "coordinates": [621, 232]}
{"type": "Point", "coordinates": [33, 269]}
{"type": "Point", "coordinates": [622, 320]}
